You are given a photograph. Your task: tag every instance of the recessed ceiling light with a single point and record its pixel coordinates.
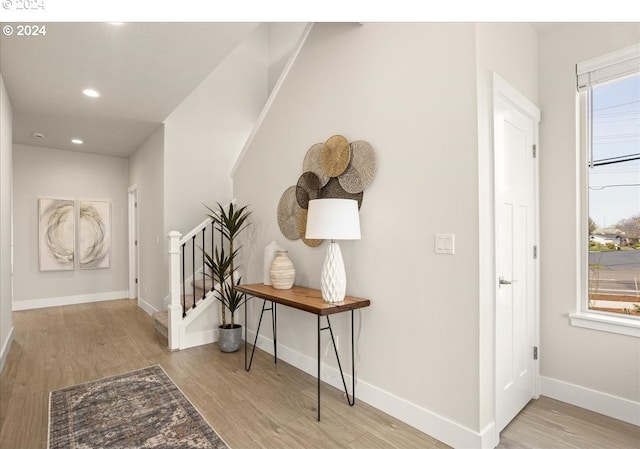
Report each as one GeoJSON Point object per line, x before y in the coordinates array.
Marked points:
{"type": "Point", "coordinates": [91, 93]}
{"type": "Point", "coordinates": [38, 136]}
{"type": "Point", "coordinates": [77, 141]}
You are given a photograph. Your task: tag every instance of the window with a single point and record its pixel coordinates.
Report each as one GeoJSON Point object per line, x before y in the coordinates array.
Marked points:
{"type": "Point", "coordinates": [610, 100]}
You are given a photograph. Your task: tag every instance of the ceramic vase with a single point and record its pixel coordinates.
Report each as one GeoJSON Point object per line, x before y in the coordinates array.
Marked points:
{"type": "Point", "coordinates": [269, 255]}
{"type": "Point", "coordinates": [283, 272]}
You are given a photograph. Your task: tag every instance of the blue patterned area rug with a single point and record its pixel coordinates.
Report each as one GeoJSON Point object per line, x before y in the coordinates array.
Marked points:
{"type": "Point", "coordinates": [139, 409]}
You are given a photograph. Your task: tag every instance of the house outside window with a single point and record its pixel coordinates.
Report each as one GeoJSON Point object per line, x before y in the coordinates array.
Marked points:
{"type": "Point", "coordinates": [609, 91]}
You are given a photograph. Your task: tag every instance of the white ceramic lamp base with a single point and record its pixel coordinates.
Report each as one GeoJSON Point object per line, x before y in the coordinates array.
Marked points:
{"type": "Point", "coordinates": [333, 280]}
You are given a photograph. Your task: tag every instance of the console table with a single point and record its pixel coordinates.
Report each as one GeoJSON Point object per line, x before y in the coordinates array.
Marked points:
{"type": "Point", "coordinates": [309, 300]}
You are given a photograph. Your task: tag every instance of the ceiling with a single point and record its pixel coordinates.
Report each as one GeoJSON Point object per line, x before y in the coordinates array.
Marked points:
{"type": "Point", "coordinates": [142, 71]}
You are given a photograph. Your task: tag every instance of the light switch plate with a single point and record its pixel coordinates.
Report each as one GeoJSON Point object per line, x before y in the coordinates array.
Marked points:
{"type": "Point", "coordinates": [445, 243]}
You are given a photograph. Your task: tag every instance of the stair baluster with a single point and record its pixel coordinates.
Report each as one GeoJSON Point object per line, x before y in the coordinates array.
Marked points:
{"type": "Point", "coordinates": [193, 268]}
{"type": "Point", "coordinates": [204, 280]}
{"type": "Point", "coordinates": [184, 306]}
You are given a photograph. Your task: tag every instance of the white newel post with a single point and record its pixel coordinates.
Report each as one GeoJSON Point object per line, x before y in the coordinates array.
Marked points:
{"type": "Point", "coordinates": [175, 307]}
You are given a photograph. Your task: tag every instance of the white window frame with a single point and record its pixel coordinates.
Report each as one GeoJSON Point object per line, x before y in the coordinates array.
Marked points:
{"type": "Point", "coordinates": [605, 68]}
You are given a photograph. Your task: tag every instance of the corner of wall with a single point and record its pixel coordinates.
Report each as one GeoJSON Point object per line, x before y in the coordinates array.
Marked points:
{"type": "Point", "coordinates": [5, 349]}
{"type": "Point", "coordinates": [272, 95]}
{"type": "Point", "coordinates": [597, 401]}
{"type": "Point", "coordinates": [6, 222]}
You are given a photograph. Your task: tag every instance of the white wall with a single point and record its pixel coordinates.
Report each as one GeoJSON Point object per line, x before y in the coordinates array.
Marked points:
{"type": "Point", "coordinates": [6, 174]}
{"type": "Point", "coordinates": [410, 91]}
{"type": "Point", "coordinates": [146, 171]}
{"type": "Point", "coordinates": [206, 132]}
{"type": "Point", "coordinates": [511, 51]}
{"type": "Point", "coordinates": [601, 361]}
{"type": "Point", "coordinates": [283, 38]}
{"type": "Point", "coordinates": [46, 172]}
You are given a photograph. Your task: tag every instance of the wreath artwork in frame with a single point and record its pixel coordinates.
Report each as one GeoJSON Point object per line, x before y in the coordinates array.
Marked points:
{"type": "Point", "coordinates": [94, 235]}
{"type": "Point", "coordinates": [56, 233]}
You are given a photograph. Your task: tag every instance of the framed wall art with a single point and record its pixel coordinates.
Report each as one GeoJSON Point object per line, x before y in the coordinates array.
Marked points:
{"type": "Point", "coordinates": [94, 234]}
{"type": "Point", "coordinates": [56, 234]}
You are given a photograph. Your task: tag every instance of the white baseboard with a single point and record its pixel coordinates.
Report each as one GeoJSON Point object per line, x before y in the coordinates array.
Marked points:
{"type": "Point", "coordinates": [144, 305]}
{"type": "Point", "coordinates": [597, 401]}
{"type": "Point", "coordinates": [198, 338]}
{"type": "Point", "coordinates": [28, 304]}
{"type": "Point", "coordinates": [5, 349]}
{"type": "Point", "coordinates": [439, 427]}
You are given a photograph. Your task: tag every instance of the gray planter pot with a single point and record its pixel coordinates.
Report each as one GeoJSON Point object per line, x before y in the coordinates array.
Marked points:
{"type": "Point", "coordinates": [229, 339]}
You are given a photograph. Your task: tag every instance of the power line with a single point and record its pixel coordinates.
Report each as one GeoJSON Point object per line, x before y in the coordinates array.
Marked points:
{"type": "Point", "coordinates": [617, 157]}
{"type": "Point", "coordinates": [612, 185]}
{"type": "Point", "coordinates": [616, 106]}
{"type": "Point", "coordinates": [617, 161]}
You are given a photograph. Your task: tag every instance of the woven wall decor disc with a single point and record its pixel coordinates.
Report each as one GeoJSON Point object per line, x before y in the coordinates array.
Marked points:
{"type": "Point", "coordinates": [335, 156]}
{"type": "Point", "coordinates": [302, 229]}
{"type": "Point", "coordinates": [333, 189]}
{"type": "Point", "coordinates": [361, 169]}
{"type": "Point", "coordinates": [312, 163]}
{"type": "Point", "coordinates": [288, 214]}
{"type": "Point", "coordinates": [307, 188]}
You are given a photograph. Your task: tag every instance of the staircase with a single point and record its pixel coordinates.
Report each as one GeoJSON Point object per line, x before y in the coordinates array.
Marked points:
{"type": "Point", "coordinates": [188, 322]}
{"type": "Point", "coordinates": [200, 288]}
{"type": "Point", "coordinates": [188, 299]}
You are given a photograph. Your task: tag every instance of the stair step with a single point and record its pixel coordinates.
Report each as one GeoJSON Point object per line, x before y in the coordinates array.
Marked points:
{"type": "Point", "coordinates": [198, 284]}
{"type": "Point", "coordinates": [162, 317]}
{"type": "Point", "coordinates": [187, 301]}
{"type": "Point", "coordinates": [161, 320]}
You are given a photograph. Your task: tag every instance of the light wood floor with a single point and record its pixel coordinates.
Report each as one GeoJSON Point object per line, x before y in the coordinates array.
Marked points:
{"type": "Point", "coordinates": [273, 406]}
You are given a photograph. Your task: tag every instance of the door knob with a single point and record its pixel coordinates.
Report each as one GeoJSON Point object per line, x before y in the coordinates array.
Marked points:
{"type": "Point", "coordinates": [503, 281]}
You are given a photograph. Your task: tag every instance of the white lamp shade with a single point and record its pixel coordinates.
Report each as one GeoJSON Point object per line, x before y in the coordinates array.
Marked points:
{"type": "Point", "coordinates": [333, 218]}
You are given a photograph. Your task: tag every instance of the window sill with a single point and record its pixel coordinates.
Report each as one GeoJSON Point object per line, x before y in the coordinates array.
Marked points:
{"type": "Point", "coordinates": [606, 323]}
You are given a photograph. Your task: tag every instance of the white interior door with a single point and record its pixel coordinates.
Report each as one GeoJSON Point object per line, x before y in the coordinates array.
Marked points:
{"type": "Point", "coordinates": [515, 134]}
{"type": "Point", "coordinates": [133, 242]}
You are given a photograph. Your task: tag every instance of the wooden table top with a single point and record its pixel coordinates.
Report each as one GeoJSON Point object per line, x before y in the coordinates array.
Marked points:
{"type": "Point", "coordinates": [303, 298]}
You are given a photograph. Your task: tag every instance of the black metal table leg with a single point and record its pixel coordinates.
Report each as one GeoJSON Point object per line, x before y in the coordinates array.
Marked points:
{"type": "Point", "coordinates": [353, 367]}
{"type": "Point", "coordinates": [245, 334]}
{"type": "Point", "coordinates": [344, 383]}
{"type": "Point", "coordinates": [255, 341]}
{"type": "Point", "coordinates": [319, 367]}
{"type": "Point", "coordinates": [351, 401]}
{"type": "Point", "coordinates": [274, 321]}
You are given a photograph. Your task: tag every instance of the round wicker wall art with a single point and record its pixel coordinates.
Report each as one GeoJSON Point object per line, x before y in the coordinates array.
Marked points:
{"type": "Point", "coordinates": [333, 189]}
{"type": "Point", "coordinates": [288, 214]}
{"type": "Point", "coordinates": [307, 188]}
{"type": "Point", "coordinates": [335, 156]}
{"type": "Point", "coordinates": [302, 227]}
{"type": "Point", "coordinates": [361, 169]}
{"type": "Point", "coordinates": [312, 163]}
{"type": "Point", "coordinates": [333, 169]}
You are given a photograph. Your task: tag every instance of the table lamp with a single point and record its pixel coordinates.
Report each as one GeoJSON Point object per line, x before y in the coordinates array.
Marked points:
{"type": "Point", "coordinates": [334, 219]}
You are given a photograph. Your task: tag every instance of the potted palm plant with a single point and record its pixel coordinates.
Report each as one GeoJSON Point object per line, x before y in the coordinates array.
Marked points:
{"type": "Point", "coordinates": [222, 266]}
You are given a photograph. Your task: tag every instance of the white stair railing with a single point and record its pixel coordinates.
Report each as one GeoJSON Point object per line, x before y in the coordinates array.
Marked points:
{"type": "Point", "coordinates": [175, 308]}
{"type": "Point", "coordinates": [179, 267]}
